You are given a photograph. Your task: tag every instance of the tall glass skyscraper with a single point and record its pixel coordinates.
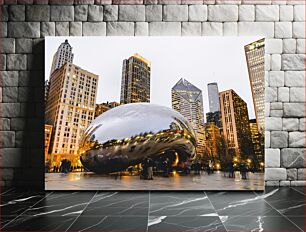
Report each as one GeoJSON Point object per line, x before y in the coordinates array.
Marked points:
{"type": "Point", "coordinates": [187, 99]}
{"type": "Point", "coordinates": [213, 97]}
{"type": "Point", "coordinates": [255, 53]}
{"type": "Point", "coordinates": [135, 83]}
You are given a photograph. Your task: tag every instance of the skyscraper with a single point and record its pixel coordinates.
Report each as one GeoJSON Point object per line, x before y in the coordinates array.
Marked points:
{"type": "Point", "coordinates": [70, 109]}
{"type": "Point", "coordinates": [213, 97]}
{"type": "Point", "coordinates": [254, 53]}
{"type": "Point", "coordinates": [103, 107]}
{"type": "Point", "coordinates": [257, 141]}
{"type": "Point", "coordinates": [187, 99]}
{"type": "Point", "coordinates": [64, 54]}
{"type": "Point", "coordinates": [135, 83]}
{"type": "Point", "coordinates": [235, 125]}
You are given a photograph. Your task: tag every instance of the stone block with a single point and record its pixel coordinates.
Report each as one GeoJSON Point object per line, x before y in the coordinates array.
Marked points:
{"type": "Point", "coordinates": [273, 183]}
{"type": "Point", "coordinates": [17, 13]}
{"type": "Point", "coordinates": [18, 124]}
{"type": "Point", "coordinates": [289, 46]}
{"type": "Point", "coordinates": [277, 78]}
{"type": "Point", "coordinates": [276, 113]}
{"type": "Point", "coordinates": [294, 78]}
{"type": "Point", "coordinates": [286, 13]}
{"type": "Point", "coordinates": [2, 62]}
{"type": "Point", "coordinates": [299, 13]}
{"type": "Point", "coordinates": [38, 13]}
{"type": "Point", "coordinates": [62, 28]}
{"type": "Point", "coordinates": [154, 13]}
{"type": "Point", "coordinates": [292, 174]}
{"type": "Point", "coordinates": [267, 139]}
{"type": "Point", "coordinates": [4, 15]}
{"type": "Point", "coordinates": [5, 124]}
{"type": "Point", "coordinates": [24, 29]}
{"type": "Point", "coordinates": [246, 13]}
{"type": "Point", "coordinates": [297, 94]}
{"type": "Point", "coordinates": [276, 174]}
{"type": "Point", "coordinates": [16, 62]}
{"type": "Point", "coordinates": [131, 13]}
{"type": "Point", "coordinates": [23, 45]}
{"type": "Point", "coordinates": [62, 13]}
{"type": "Point", "coordinates": [274, 46]}
{"type": "Point", "coordinates": [301, 175]}
{"type": "Point", "coordinates": [293, 61]}
{"type": "Point", "coordinates": [165, 28]}
{"type": "Point", "coordinates": [120, 28]}
{"type": "Point", "coordinates": [273, 123]}
{"type": "Point", "coordinates": [283, 30]}
{"type": "Point", "coordinates": [7, 139]}
{"type": "Point", "coordinates": [128, 2]}
{"type": "Point", "coordinates": [222, 13]}
{"type": "Point", "coordinates": [267, 62]}
{"type": "Point", "coordinates": [95, 13]}
{"type": "Point", "coordinates": [298, 30]}
{"type": "Point", "coordinates": [302, 125]}
{"type": "Point", "coordinates": [276, 105]}
{"type": "Point", "coordinates": [296, 139]}
{"type": "Point", "coordinates": [7, 45]}
{"type": "Point", "coordinates": [290, 124]}
{"type": "Point", "coordinates": [11, 157]}
{"type": "Point", "coordinates": [8, 78]}
{"type": "Point", "coordinates": [293, 157]}
{"type": "Point", "coordinates": [283, 94]}
{"type": "Point", "coordinates": [3, 31]}
{"type": "Point", "coordinates": [279, 139]}
{"type": "Point", "coordinates": [10, 110]}
{"type": "Point", "coordinates": [75, 29]}
{"type": "Point", "coordinates": [272, 158]}
{"type": "Point", "coordinates": [81, 12]}
{"type": "Point", "coordinates": [276, 62]}
{"type": "Point", "coordinates": [191, 29]}
{"type": "Point", "coordinates": [9, 94]}
{"type": "Point", "coordinates": [172, 13]}
{"type": "Point", "coordinates": [110, 13]}
{"type": "Point", "coordinates": [267, 13]}
{"type": "Point", "coordinates": [230, 29]}
{"type": "Point", "coordinates": [284, 183]}
{"type": "Point", "coordinates": [294, 110]}
{"type": "Point", "coordinates": [270, 94]}
{"type": "Point", "coordinates": [141, 29]}
{"type": "Point", "coordinates": [256, 28]}
{"type": "Point", "coordinates": [267, 109]}
{"type": "Point", "coordinates": [197, 13]}
{"type": "Point", "coordinates": [212, 29]}
{"type": "Point", "coordinates": [297, 183]}
{"type": "Point", "coordinates": [300, 47]}
{"type": "Point", "coordinates": [47, 29]}
{"type": "Point", "coordinates": [84, 2]}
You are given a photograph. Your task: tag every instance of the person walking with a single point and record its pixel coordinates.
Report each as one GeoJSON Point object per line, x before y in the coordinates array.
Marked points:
{"type": "Point", "coordinates": [150, 168]}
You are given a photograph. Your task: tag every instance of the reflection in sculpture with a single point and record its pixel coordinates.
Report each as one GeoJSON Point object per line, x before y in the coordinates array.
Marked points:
{"type": "Point", "coordinates": [125, 135]}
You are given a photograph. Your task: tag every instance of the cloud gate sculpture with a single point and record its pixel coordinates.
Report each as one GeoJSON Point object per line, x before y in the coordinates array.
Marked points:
{"type": "Point", "coordinates": [125, 135]}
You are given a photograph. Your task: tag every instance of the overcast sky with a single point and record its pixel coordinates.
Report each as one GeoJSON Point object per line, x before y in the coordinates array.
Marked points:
{"type": "Point", "coordinates": [200, 60]}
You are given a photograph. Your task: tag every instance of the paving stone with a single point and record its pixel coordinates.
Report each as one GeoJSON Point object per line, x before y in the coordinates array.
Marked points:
{"type": "Point", "coordinates": [47, 29]}
{"type": "Point", "coordinates": [294, 110]}
{"type": "Point", "coordinates": [175, 13]}
{"type": "Point", "coordinates": [191, 29]}
{"type": "Point", "coordinates": [110, 13]}
{"type": "Point", "coordinates": [289, 46]}
{"type": "Point", "coordinates": [293, 157]}
{"type": "Point", "coordinates": [197, 13]}
{"type": "Point", "coordinates": [24, 29]}
{"type": "Point", "coordinates": [120, 28]}
{"type": "Point", "coordinates": [290, 124]}
{"type": "Point", "coordinates": [95, 13]}
{"type": "Point", "coordinates": [80, 12]}
{"type": "Point", "coordinates": [38, 13]}
{"type": "Point", "coordinates": [286, 13]}
{"type": "Point", "coordinates": [131, 13]}
{"type": "Point", "coordinates": [296, 139]}
{"type": "Point", "coordinates": [165, 28]}
{"type": "Point", "coordinates": [94, 28]}
{"type": "Point", "coordinates": [293, 61]}
{"type": "Point", "coordinates": [283, 30]}
{"type": "Point", "coordinates": [17, 13]}
{"type": "Point", "coordinates": [273, 123]}
{"type": "Point", "coordinates": [267, 13]}
{"type": "Point", "coordinates": [212, 29]}
{"type": "Point", "coordinates": [279, 139]}
{"type": "Point", "coordinates": [272, 158]}
{"type": "Point", "coordinates": [222, 13]}
{"type": "Point", "coordinates": [246, 13]}
{"type": "Point", "coordinates": [62, 13]}
{"type": "Point", "coordinates": [23, 45]}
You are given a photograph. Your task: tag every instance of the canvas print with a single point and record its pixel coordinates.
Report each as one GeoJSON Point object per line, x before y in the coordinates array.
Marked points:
{"type": "Point", "coordinates": [154, 113]}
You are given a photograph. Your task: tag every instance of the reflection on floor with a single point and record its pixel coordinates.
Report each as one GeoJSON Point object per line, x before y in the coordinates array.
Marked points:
{"type": "Point", "coordinates": [275, 209]}
{"type": "Point", "coordinates": [90, 181]}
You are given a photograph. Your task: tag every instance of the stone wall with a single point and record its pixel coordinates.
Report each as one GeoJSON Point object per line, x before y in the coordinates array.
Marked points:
{"type": "Point", "coordinates": [24, 24]}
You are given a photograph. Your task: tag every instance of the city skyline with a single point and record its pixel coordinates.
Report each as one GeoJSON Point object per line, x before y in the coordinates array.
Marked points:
{"type": "Point", "coordinates": [160, 93]}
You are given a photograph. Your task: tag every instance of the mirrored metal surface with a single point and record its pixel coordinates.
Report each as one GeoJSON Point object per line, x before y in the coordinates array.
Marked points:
{"type": "Point", "coordinates": [125, 135]}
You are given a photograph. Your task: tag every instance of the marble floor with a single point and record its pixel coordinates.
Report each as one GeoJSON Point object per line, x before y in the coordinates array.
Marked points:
{"type": "Point", "coordinates": [90, 181]}
{"type": "Point", "coordinates": [276, 209]}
